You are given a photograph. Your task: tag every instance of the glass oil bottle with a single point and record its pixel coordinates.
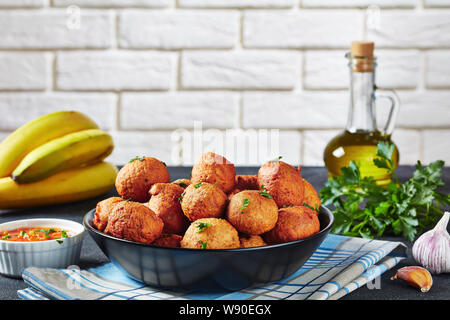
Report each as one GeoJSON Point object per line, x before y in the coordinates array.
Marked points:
{"type": "Point", "coordinates": [359, 140]}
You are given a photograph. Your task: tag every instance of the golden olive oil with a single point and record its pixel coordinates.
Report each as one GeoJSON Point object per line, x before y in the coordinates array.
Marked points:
{"type": "Point", "coordinates": [361, 147]}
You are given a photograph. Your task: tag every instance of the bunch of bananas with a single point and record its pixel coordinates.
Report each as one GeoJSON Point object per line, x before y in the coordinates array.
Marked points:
{"type": "Point", "coordinates": [56, 158]}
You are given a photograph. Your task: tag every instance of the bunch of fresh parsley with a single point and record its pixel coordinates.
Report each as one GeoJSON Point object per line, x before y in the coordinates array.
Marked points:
{"type": "Point", "coordinates": [363, 208]}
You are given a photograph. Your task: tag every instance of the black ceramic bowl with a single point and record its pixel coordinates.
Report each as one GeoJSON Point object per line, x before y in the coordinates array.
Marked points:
{"type": "Point", "coordinates": [228, 268]}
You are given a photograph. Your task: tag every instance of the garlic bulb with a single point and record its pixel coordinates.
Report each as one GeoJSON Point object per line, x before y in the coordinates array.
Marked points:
{"type": "Point", "coordinates": [432, 249]}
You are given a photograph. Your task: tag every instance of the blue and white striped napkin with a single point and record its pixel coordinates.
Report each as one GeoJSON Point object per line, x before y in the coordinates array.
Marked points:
{"type": "Point", "coordinates": [339, 266]}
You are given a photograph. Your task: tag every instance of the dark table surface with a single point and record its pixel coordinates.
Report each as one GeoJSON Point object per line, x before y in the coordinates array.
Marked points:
{"type": "Point", "coordinates": [92, 256]}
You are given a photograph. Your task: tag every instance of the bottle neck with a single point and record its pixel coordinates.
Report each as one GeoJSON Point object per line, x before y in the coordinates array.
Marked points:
{"type": "Point", "coordinates": [361, 116]}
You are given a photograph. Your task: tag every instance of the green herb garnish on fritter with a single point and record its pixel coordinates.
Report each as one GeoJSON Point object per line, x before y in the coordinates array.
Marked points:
{"type": "Point", "coordinates": [276, 159]}
{"type": "Point", "coordinates": [201, 226]}
{"type": "Point", "coordinates": [198, 185]}
{"type": "Point", "coordinates": [203, 244]}
{"type": "Point", "coordinates": [182, 184]}
{"type": "Point", "coordinates": [182, 195]}
{"type": "Point", "coordinates": [137, 158]}
{"type": "Point", "coordinates": [361, 207]}
{"type": "Point", "coordinates": [245, 204]}
{"type": "Point", "coordinates": [308, 206]}
{"type": "Point", "coordinates": [264, 193]}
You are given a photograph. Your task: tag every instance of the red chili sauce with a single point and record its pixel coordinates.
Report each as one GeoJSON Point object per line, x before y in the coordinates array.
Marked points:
{"type": "Point", "coordinates": [34, 234]}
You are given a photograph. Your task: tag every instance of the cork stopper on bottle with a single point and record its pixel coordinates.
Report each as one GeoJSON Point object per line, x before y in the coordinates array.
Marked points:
{"type": "Point", "coordinates": [362, 53]}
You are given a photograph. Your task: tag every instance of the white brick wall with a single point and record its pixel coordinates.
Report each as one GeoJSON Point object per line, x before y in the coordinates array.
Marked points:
{"type": "Point", "coordinates": [114, 3]}
{"type": "Point", "coordinates": [23, 71]}
{"type": "Point", "coordinates": [239, 70]}
{"type": "Point", "coordinates": [301, 29]}
{"type": "Point", "coordinates": [27, 29]}
{"type": "Point", "coordinates": [149, 111]}
{"type": "Point", "coordinates": [120, 70]}
{"type": "Point", "coordinates": [145, 68]}
{"type": "Point", "coordinates": [178, 30]}
{"type": "Point", "coordinates": [398, 69]}
{"type": "Point", "coordinates": [22, 3]}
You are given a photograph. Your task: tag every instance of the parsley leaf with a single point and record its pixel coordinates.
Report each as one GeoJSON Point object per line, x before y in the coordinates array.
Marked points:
{"type": "Point", "coordinates": [201, 226]}
{"type": "Point", "coordinates": [277, 159]}
{"type": "Point", "coordinates": [245, 204]}
{"type": "Point", "coordinates": [182, 196]}
{"type": "Point", "coordinates": [264, 192]}
{"type": "Point", "coordinates": [137, 158]}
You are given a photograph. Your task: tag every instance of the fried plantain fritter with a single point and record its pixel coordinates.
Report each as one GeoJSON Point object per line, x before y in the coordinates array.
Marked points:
{"type": "Point", "coordinates": [283, 182]}
{"type": "Point", "coordinates": [184, 183]}
{"type": "Point", "coordinates": [211, 233]}
{"type": "Point", "coordinates": [213, 168]}
{"type": "Point", "coordinates": [252, 213]}
{"type": "Point", "coordinates": [203, 200]}
{"type": "Point", "coordinates": [168, 240]}
{"type": "Point", "coordinates": [246, 182]}
{"type": "Point", "coordinates": [102, 211]}
{"type": "Point", "coordinates": [135, 222]}
{"type": "Point", "coordinates": [165, 203]}
{"type": "Point", "coordinates": [311, 197]}
{"type": "Point", "coordinates": [294, 223]}
{"type": "Point", "coordinates": [248, 241]}
{"type": "Point", "coordinates": [135, 179]}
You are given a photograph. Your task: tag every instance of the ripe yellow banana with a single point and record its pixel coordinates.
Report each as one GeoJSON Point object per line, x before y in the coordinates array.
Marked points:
{"type": "Point", "coordinates": [70, 151]}
{"type": "Point", "coordinates": [66, 186]}
{"type": "Point", "coordinates": [37, 132]}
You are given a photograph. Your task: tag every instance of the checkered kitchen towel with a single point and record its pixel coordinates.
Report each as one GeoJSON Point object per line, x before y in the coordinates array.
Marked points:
{"type": "Point", "coordinates": [339, 266]}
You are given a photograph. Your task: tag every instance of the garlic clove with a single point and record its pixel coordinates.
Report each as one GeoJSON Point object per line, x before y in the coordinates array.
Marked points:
{"type": "Point", "coordinates": [416, 276]}
{"type": "Point", "coordinates": [432, 249]}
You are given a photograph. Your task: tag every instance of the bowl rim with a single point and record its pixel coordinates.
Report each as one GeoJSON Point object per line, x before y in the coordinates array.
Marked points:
{"type": "Point", "coordinates": [78, 228]}
{"type": "Point", "coordinates": [325, 230]}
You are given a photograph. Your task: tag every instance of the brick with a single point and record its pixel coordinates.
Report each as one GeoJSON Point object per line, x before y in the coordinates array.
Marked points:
{"type": "Point", "coordinates": [114, 3]}
{"type": "Point", "coordinates": [239, 70]}
{"type": "Point", "coordinates": [54, 29]}
{"type": "Point", "coordinates": [329, 69]}
{"type": "Point", "coordinates": [436, 146]}
{"type": "Point", "coordinates": [119, 70]}
{"type": "Point", "coordinates": [408, 143]}
{"type": "Point", "coordinates": [314, 143]}
{"type": "Point", "coordinates": [300, 110]}
{"type": "Point", "coordinates": [22, 3]}
{"type": "Point", "coordinates": [437, 3]}
{"type": "Point", "coordinates": [418, 29]}
{"type": "Point", "coordinates": [177, 110]}
{"type": "Point", "coordinates": [23, 71]}
{"type": "Point", "coordinates": [237, 3]}
{"type": "Point", "coordinates": [178, 29]}
{"type": "Point", "coordinates": [290, 147]}
{"type": "Point", "coordinates": [357, 3]}
{"type": "Point", "coordinates": [129, 144]}
{"type": "Point", "coordinates": [302, 29]}
{"type": "Point", "coordinates": [240, 146]}
{"type": "Point", "coordinates": [424, 110]}
{"type": "Point", "coordinates": [23, 107]}
{"type": "Point", "coordinates": [438, 69]}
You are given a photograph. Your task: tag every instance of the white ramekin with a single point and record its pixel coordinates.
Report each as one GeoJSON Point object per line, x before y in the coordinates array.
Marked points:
{"type": "Point", "coordinates": [17, 255]}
